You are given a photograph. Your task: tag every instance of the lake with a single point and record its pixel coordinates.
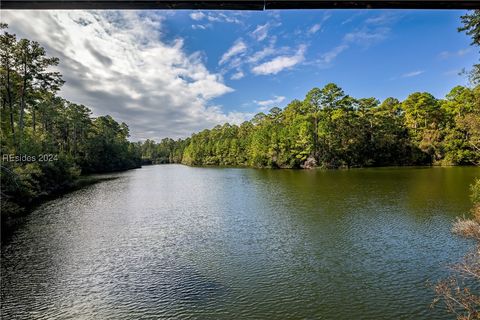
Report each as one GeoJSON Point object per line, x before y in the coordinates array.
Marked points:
{"type": "Point", "coordinates": [177, 242]}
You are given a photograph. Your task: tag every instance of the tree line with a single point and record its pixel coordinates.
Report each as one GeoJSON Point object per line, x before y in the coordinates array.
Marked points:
{"type": "Point", "coordinates": [331, 129]}
{"type": "Point", "coordinates": [328, 128]}
{"type": "Point", "coordinates": [54, 140]}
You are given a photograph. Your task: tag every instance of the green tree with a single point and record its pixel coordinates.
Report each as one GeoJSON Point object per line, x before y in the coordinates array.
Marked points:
{"type": "Point", "coordinates": [462, 132]}
{"type": "Point", "coordinates": [424, 119]}
{"type": "Point", "coordinates": [471, 25]}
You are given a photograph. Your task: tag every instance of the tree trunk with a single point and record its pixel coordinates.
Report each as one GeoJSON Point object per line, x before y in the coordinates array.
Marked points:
{"type": "Point", "coordinates": [33, 120]}
{"type": "Point", "coordinates": [10, 106]}
{"type": "Point", "coordinates": [22, 99]}
{"type": "Point", "coordinates": [74, 140]}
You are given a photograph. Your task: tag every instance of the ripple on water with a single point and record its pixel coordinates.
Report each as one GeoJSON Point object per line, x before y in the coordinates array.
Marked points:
{"type": "Point", "coordinates": [173, 242]}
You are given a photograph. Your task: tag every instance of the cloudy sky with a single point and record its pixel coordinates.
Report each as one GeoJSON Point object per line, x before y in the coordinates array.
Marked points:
{"type": "Point", "coordinates": [172, 73]}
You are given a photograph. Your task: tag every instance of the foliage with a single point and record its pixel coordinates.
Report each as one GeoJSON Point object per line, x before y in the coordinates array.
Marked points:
{"type": "Point", "coordinates": [331, 129]}
{"type": "Point", "coordinates": [57, 139]}
{"type": "Point", "coordinates": [456, 291]}
{"type": "Point", "coordinates": [471, 26]}
{"type": "Point", "coordinates": [476, 192]}
{"type": "Point", "coordinates": [463, 131]}
{"type": "Point", "coordinates": [328, 128]}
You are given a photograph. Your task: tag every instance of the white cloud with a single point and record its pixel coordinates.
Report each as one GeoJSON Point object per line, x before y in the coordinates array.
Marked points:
{"type": "Point", "coordinates": [237, 75]}
{"type": "Point", "coordinates": [116, 63]}
{"type": "Point", "coordinates": [262, 54]}
{"type": "Point", "coordinates": [270, 102]}
{"type": "Point", "coordinates": [261, 32]}
{"type": "Point", "coordinates": [265, 52]}
{"type": "Point", "coordinates": [315, 28]}
{"type": "Point", "coordinates": [367, 37]}
{"type": "Point", "coordinates": [240, 54]}
{"type": "Point", "coordinates": [372, 31]}
{"type": "Point", "coordinates": [230, 18]}
{"type": "Point", "coordinates": [412, 74]}
{"type": "Point", "coordinates": [215, 17]}
{"type": "Point", "coordinates": [454, 72]}
{"type": "Point", "coordinates": [318, 26]}
{"type": "Point", "coordinates": [280, 63]}
{"type": "Point", "coordinates": [199, 26]}
{"type": "Point", "coordinates": [238, 47]}
{"type": "Point", "coordinates": [449, 54]}
{"type": "Point", "coordinates": [197, 16]}
{"type": "Point", "coordinates": [380, 19]}
{"type": "Point", "coordinates": [329, 56]}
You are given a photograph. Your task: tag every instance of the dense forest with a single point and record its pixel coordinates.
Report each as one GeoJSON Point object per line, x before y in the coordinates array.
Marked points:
{"type": "Point", "coordinates": [47, 141]}
{"type": "Point", "coordinates": [331, 129]}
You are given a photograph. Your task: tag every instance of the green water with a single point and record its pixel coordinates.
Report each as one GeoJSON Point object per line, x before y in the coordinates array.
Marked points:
{"type": "Point", "coordinates": [175, 242]}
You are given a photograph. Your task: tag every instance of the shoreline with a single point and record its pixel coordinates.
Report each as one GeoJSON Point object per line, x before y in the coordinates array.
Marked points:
{"type": "Point", "coordinates": [312, 168]}
{"type": "Point", "coordinates": [15, 214]}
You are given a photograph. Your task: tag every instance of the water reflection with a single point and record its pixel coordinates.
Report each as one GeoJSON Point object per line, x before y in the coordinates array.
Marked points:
{"type": "Point", "coordinates": [179, 242]}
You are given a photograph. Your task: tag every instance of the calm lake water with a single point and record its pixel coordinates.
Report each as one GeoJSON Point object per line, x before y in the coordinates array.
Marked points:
{"type": "Point", "coordinates": [175, 242]}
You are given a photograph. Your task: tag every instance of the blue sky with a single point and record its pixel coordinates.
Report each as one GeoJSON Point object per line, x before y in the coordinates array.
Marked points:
{"type": "Point", "coordinates": [388, 53]}
{"type": "Point", "coordinates": [171, 73]}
